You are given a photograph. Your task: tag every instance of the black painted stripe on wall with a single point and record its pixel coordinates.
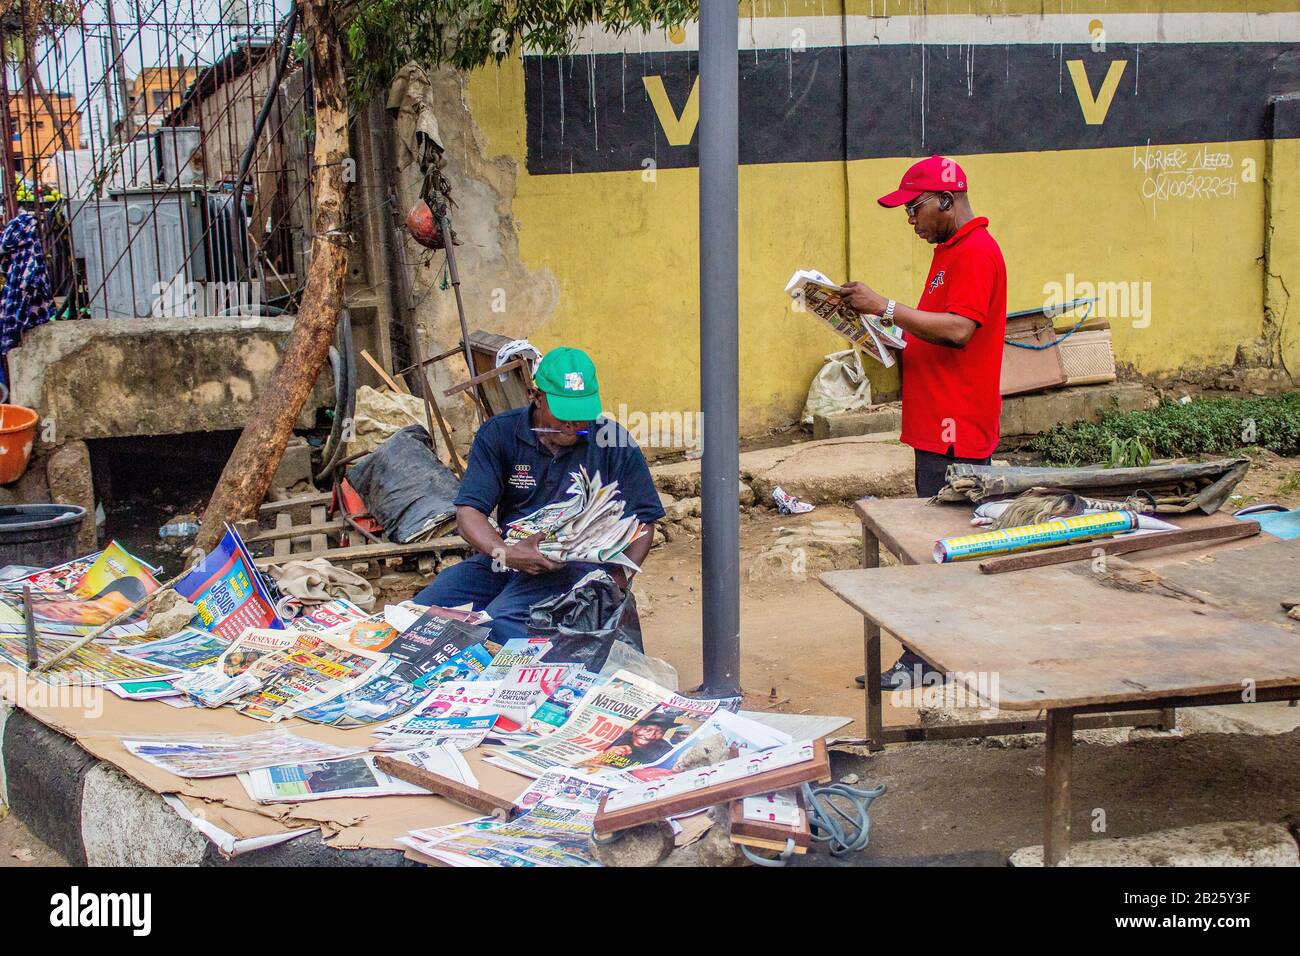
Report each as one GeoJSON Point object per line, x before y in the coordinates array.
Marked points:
{"type": "Point", "coordinates": [592, 113]}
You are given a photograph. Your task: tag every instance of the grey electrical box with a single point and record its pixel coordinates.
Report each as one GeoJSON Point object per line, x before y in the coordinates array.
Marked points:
{"type": "Point", "coordinates": [136, 242]}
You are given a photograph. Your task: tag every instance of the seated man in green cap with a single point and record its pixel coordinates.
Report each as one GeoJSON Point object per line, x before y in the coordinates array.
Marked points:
{"type": "Point", "coordinates": [521, 460]}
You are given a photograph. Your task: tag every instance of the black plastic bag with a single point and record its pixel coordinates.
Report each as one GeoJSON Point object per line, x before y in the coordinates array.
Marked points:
{"type": "Point", "coordinates": [585, 621]}
{"type": "Point", "coordinates": [405, 487]}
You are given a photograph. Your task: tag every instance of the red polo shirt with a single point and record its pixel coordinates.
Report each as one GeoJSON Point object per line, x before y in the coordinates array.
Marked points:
{"type": "Point", "coordinates": [951, 396]}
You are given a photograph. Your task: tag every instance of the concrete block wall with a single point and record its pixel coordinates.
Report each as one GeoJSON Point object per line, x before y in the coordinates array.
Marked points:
{"type": "Point", "coordinates": [94, 815]}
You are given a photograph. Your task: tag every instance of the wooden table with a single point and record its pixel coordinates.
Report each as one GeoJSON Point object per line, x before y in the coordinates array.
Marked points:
{"type": "Point", "coordinates": [908, 529]}
{"type": "Point", "coordinates": [1075, 643]}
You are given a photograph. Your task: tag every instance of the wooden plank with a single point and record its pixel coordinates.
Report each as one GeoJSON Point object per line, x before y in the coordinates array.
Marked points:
{"type": "Point", "coordinates": [370, 552]}
{"type": "Point", "coordinates": [302, 501]}
{"type": "Point", "coordinates": [453, 790]}
{"type": "Point", "coordinates": [768, 835]}
{"type": "Point", "coordinates": [1063, 636]}
{"type": "Point", "coordinates": [909, 527]}
{"type": "Point", "coordinates": [1056, 810]}
{"type": "Point", "coordinates": [319, 541]}
{"type": "Point", "coordinates": [297, 531]}
{"type": "Point", "coordinates": [966, 729]}
{"type": "Point", "coordinates": [284, 528]}
{"type": "Point", "coordinates": [485, 376]}
{"type": "Point", "coordinates": [1247, 581]}
{"type": "Point", "coordinates": [817, 769]}
{"type": "Point", "coordinates": [1123, 545]}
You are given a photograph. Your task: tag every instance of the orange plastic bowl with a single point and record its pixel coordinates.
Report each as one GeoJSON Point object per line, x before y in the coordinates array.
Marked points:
{"type": "Point", "coordinates": [17, 433]}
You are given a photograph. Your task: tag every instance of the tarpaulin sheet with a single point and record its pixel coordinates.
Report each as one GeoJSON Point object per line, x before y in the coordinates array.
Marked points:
{"type": "Point", "coordinates": [1176, 487]}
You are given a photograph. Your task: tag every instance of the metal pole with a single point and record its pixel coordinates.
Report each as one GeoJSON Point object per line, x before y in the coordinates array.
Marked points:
{"type": "Point", "coordinates": [259, 123]}
{"type": "Point", "coordinates": [719, 343]}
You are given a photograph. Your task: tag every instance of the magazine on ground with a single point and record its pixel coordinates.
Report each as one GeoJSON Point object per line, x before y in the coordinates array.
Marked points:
{"type": "Point", "coordinates": [823, 298]}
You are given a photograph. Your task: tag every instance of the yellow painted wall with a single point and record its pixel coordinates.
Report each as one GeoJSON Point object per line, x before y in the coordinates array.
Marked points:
{"type": "Point", "coordinates": [623, 250]}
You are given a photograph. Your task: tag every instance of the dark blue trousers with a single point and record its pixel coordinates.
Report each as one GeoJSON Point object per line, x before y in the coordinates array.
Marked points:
{"type": "Point", "coordinates": [506, 595]}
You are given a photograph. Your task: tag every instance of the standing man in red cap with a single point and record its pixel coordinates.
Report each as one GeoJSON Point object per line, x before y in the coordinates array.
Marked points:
{"type": "Point", "coordinates": [952, 364]}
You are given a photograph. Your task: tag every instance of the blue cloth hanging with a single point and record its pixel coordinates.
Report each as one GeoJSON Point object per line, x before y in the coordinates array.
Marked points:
{"type": "Point", "coordinates": [25, 300]}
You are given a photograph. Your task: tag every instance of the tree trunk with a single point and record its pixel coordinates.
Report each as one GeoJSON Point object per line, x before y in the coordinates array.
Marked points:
{"type": "Point", "coordinates": [248, 473]}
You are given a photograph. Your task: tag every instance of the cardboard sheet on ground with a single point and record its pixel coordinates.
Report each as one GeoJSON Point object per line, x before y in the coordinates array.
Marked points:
{"type": "Point", "coordinates": [95, 718]}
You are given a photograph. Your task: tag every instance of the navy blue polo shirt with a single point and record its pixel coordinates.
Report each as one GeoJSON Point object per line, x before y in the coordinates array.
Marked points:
{"type": "Point", "coordinates": [512, 472]}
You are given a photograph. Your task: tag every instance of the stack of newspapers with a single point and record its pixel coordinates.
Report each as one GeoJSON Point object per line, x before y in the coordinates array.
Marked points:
{"type": "Point", "coordinates": [587, 526]}
{"type": "Point", "coordinates": [823, 298]}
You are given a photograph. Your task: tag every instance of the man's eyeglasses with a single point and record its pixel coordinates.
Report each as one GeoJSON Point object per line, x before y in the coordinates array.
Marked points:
{"type": "Point", "coordinates": [911, 207]}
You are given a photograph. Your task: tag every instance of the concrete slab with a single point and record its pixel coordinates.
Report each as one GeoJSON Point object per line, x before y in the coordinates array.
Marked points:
{"type": "Point", "coordinates": [1274, 717]}
{"type": "Point", "coordinates": [1209, 844]}
{"type": "Point", "coordinates": [111, 378]}
{"type": "Point", "coordinates": [823, 472]}
{"type": "Point", "coordinates": [123, 824]}
{"type": "Point", "coordinates": [885, 418]}
{"type": "Point", "coordinates": [1032, 414]}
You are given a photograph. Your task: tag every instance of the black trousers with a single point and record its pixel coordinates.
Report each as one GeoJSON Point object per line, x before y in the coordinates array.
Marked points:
{"type": "Point", "coordinates": [931, 467]}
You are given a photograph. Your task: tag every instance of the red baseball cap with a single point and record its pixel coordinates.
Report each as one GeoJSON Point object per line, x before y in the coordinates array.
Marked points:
{"type": "Point", "coordinates": [933, 175]}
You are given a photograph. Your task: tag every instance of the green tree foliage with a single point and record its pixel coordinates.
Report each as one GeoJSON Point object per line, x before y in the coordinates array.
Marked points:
{"type": "Point", "coordinates": [384, 35]}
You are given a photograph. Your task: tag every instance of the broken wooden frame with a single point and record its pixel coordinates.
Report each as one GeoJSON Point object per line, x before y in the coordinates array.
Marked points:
{"type": "Point", "coordinates": [301, 531]}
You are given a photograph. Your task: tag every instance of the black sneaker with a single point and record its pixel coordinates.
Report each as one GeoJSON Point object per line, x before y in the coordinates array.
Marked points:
{"type": "Point", "coordinates": [908, 671]}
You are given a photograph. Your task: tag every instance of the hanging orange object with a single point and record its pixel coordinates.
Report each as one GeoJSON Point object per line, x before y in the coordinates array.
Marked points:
{"type": "Point", "coordinates": [423, 227]}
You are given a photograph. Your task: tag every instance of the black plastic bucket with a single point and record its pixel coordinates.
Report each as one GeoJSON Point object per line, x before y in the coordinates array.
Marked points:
{"type": "Point", "coordinates": [39, 536]}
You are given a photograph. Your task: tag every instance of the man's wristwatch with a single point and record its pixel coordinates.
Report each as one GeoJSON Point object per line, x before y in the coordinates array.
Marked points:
{"type": "Point", "coordinates": [888, 317]}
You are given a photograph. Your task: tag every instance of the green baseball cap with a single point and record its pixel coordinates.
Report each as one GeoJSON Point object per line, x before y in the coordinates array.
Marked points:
{"type": "Point", "coordinates": [568, 377]}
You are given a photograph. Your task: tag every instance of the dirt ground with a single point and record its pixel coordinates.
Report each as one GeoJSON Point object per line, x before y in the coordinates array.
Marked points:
{"type": "Point", "coordinates": [801, 646]}
{"type": "Point", "coordinates": [963, 801]}
{"type": "Point", "coordinates": [19, 848]}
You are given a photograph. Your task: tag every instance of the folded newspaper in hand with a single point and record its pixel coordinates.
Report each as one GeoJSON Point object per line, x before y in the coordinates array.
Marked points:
{"type": "Point", "coordinates": [823, 298]}
{"type": "Point", "coordinates": [588, 526]}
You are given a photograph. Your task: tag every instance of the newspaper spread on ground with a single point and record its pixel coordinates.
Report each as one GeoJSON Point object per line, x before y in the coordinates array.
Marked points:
{"type": "Point", "coordinates": [659, 735]}
{"type": "Point", "coordinates": [561, 785]}
{"type": "Point", "coordinates": [554, 833]}
{"type": "Point", "coordinates": [677, 784]}
{"type": "Point", "coordinates": [234, 674]}
{"type": "Point", "coordinates": [323, 780]}
{"type": "Point", "coordinates": [462, 711]}
{"type": "Point", "coordinates": [739, 732]}
{"type": "Point", "coordinates": [222, 755]}
{"type": "Point", "coordinates": [587, 526]}
{"type": "Point", "coordinates": [444, 759]}
{"type": "Point", "coordinates": [152, 689]}
{"type": "Point", "coordinates": [90, 665]}
{"type": "Point", "coordinates": [386, 696]}
{"type": "Point", "coordinates": [187, 649]}
{"type": "Point", "coordinates": [517, 650]}
{"type": "Point", "coordinates": [328, 616]}
{"type": "Point", "coordinates": [823, 298]}
{"type": "Point", "coordinates": [61, 577]}
{"type": "Point", "coordinates": [228, 590]}
{"type": "Point", "coordinates": [524, 689]}
{"type": "Point", "coordinates": [432, 651]}
{"type": "Point", "coordinates": [315, 668]}
{"type": "Point", "coordinates": [114, 581]}
{"type": "Point", "coordinates": [558, 707]}
{"type": "Point", "coordinates": [600, 718]}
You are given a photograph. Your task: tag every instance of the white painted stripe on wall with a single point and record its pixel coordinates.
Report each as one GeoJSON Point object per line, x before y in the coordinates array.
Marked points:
{"type": "Point", "coordinates": [781, 33]}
